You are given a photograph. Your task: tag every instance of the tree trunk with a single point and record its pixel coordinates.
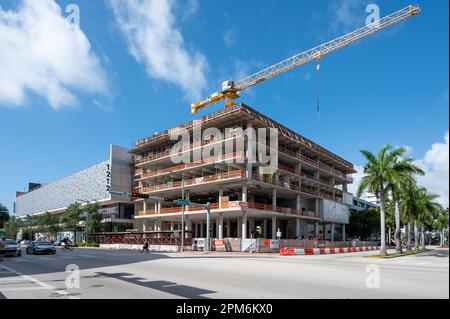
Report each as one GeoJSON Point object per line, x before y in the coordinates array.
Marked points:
{"type": "Point", "coordinates": [416, 235]}
{"type": "Point", "coordinates": [389, 236]}
{"type": "Point", "coordinates": [382, 223]}
{"type": "Point", "coordinates": [408, 233]}
{"type": "Point", "coordinates": [443, 237]}
{"type": "Point", "coordinates": [398, 242]}
{"type": "Point", "coordinates": [423, 237]}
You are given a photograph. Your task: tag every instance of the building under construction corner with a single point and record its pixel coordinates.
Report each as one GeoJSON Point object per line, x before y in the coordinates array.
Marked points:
{"type": "Point", "coordinates": [304, 197]}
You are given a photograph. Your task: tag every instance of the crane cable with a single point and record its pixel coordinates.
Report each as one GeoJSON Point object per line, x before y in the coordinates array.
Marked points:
{"type": "Point", "coordinates": [318, 92]}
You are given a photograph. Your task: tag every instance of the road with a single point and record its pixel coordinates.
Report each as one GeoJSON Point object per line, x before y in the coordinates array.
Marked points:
{"type": "Point", "coordinates": [129, 274]}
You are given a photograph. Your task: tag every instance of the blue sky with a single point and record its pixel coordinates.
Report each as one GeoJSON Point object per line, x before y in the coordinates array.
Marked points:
{"type": "Point", "coordinates": [102, 84]}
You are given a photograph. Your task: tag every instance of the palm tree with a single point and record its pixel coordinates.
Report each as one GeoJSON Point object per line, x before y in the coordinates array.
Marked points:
{"type": "Point", "coordinates": [441, 224]}
{"type": "Point", "coordinates": [381, 173]}
{"type": "Point", "coordinates": [408, 206]}
{"type": "Point", "coordinates": [401, 177]}
{"type": "Point", "coordinates": [428, 209]}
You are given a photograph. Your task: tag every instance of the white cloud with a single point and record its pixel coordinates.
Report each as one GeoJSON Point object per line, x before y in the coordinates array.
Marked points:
{"type": "Point", "coordinates": [41, 54]}
{"type": "Point", "coordinates": [352, 188]}
{"type": "Point", "coordinates": [229, 37]}
{"type": "Point", "coordinates": [436, 166]}
{"type": "Point", "coordinates": [346, 15]}
{"type": "Point", "coordinates": [154, 40]}
{"type": "Point", "coordinates": [190, 9]}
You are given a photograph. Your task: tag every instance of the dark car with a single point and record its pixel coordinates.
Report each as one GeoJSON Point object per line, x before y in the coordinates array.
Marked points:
{"type": "Point", "coordinates": [40, 247]}
{"type": "Point", "coordinates": [12, 248]}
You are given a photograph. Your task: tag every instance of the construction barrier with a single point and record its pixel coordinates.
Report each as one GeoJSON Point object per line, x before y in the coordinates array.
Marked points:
{"type": "Point", "coordinates": [324, 251]}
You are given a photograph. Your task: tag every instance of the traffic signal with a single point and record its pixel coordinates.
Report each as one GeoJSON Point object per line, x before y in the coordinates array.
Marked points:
{"type": "Point", "coordinates": [168, 199]}
{"type": "Point", "coordinates": [139, 195]}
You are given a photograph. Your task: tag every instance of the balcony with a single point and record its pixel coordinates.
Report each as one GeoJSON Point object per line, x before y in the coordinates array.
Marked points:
{"type": "Point", "coordinates": [233, 204]}
{"type": "Point", "coordinates": [315, 163]}
{"type": "Point", "coordinates": [211, 160]}
{"type": "Point", "coordinates": [194, 181]}
{"type": "Point", "coordinates": [303, 189]}
{"type": "Point", "coordinates": [186, 148]}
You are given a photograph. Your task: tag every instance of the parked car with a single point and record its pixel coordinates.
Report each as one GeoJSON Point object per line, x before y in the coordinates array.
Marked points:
{"type": "Point", "coordinates": [40, 247]}
{"type": "Point", "coordinates": [12, 248]}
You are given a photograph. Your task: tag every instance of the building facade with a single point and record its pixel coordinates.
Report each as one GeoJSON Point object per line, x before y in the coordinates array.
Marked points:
{"type": "Point", "coordinates": [301, 192]}
{"type": "Point", "coordinates": [90, 185]}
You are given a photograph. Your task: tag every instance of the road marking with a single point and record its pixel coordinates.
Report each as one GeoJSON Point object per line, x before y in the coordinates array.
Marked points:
{"type": "Point", "coordinates": [34, 280]}
{"type": "Point", "coordinates": [23, 289]}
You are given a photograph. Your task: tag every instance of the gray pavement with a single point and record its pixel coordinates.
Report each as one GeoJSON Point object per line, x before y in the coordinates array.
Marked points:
{"type": "Point", "coordinates": [129, 274]}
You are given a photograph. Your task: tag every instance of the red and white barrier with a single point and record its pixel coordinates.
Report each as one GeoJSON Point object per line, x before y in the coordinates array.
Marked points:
{"type": "Point", "coordinates": [324, 251]}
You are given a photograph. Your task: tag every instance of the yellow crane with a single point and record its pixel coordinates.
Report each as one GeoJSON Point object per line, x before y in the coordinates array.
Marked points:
{"type": "Point", "coordinates": [231, 89]}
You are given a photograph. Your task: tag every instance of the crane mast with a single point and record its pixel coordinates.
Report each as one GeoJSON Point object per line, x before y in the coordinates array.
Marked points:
{"type": "Point", "coordinates": [231, 89]}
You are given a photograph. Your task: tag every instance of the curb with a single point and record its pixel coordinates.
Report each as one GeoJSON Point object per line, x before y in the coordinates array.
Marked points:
{"type": "Point", "coordinates": [324, 251]}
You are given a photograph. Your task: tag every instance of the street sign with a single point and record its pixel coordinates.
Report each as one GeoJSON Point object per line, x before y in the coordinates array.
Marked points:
{"type": "Point", "coordinates": [182, 202]}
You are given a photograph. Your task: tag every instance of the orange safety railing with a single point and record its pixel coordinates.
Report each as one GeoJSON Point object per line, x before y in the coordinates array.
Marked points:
{"type": "Point", "coordinates": [210, 160]}
{"type": "Point", "coordinates": [315, 163]}
{"type": "Point", "coordinates": [194, 181]}
{"type": "Point", "coordinates": [185, 148]}
{"type": "Point", "coordinates": [253, 205]}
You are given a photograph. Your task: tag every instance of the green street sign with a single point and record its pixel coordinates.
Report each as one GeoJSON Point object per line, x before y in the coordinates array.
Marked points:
{"type": "Point", "coordinates": [182, 202]}
{"type": "Point", "coordinates": [2, 234]}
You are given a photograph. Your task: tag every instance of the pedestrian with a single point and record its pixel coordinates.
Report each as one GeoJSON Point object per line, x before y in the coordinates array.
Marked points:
{"type": "Point", "coordinates": [2, 248]}
{"type": "Point", "coordinates": [145, 247]}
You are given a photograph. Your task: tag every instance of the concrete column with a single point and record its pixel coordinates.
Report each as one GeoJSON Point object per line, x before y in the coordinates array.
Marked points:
{"type": "Point", "coordinates": [156, 207]}
{"type": "Point", "coordinates": [244, 225]}
{"type": "Point", "coordinates": [220, 226]}
{"type": "Point", "coordinates": [251, 227]}
{"type": "Point", "coordinates": [171, 226]}
{"type": "Point", "coordinates": [344, 187]}
{"type": "Point", "coordinates": [274, 198]}
{"type": "Point", "coordinates": [298, 168]}
{"type": "Point", "coordinates": [228, 228]}
{"type": "Point", "coordinates": [202, 232]}
{"type": "Point", "coordinates": [343, 232]}
{"type": "Point", "coordinates": [144, 206]}
{"type": "Point", "coordinates": [244, 192]}
{"type": "Point", "coordinates": [316, 229]}
{"type": "Point", "coordinates": [265, 228]}
{"type": "Point", "coordinates": [250, 149]}
{"type": "Point", "coordinates": [239, 227]}
{"type": "Point", "coordinates": [316, 206]}
{"type": "Point", "coordinates": [159, 207]}
{"type": "Point", "coordinates": [332, 231]}
{"type": "Point", "coordinates": [187, 196]}
{"type": "Point", "coordinates": [297, 227]}
{"type": "Point", "coordinates": [274, 227]}
{"type": "Point", "coordinates": [144, 225]}
{"type": "Point", "coordinates": [189, 228]}
{"type": "Point", "coordinates": [298, 205]}
{"type": "Point", "coordinates": [220, 197]}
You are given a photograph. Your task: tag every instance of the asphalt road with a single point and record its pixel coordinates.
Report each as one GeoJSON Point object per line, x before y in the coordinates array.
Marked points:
{"type": "Point", "coordinates": [129, 274]}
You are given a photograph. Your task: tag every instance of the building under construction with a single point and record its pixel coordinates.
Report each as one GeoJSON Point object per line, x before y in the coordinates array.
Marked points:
{"type": "Point", "coordinates": [305, 197]}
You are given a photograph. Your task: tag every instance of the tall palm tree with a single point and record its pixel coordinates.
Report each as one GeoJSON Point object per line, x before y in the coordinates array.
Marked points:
{"type": "Point", "coordinates": [380, 173]}
{"type": "Point", "coordinates": [441, 224]}
{"type": "Point", "coordinates": [402, 175]}
{"type": "Point", "coordinates": [428, 209]}
{"type": "Point", "coordinates": [408, 206]}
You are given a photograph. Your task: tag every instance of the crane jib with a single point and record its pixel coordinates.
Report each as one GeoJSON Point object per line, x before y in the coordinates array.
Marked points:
{"type": "Point", "coordinates": [310, 55]}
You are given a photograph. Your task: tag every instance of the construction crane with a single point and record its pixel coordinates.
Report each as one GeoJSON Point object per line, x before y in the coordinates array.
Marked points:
{"type": "Point", "coordinates": [231, 89]}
